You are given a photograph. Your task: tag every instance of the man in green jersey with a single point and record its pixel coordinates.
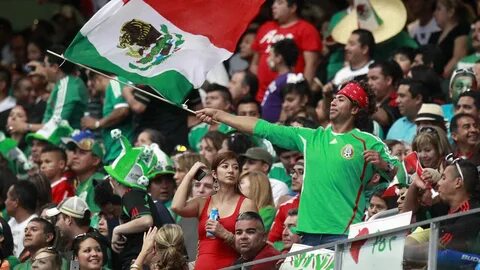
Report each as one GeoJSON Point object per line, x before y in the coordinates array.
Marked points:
{"type": "Point", "coordinates": [339, 161]}
{"type": "Point", "coordinates": [115, 114]}
{"type": "Point", "coordinates": [68, 99]}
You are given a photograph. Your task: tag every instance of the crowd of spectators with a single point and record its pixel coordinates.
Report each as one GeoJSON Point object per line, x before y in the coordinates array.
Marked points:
{"type": "Point", "coordinates": [304, 131]}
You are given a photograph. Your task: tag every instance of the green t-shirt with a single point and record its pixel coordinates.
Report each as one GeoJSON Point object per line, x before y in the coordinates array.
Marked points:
{"type": "Point", "coordinates": [114, 100]}
{"type": "Point", "coordinates": [86, 191]}
{"type": "Point", "coordinates": [335, 173]}
{"type": "Point", "coordinates": [267, 214]}
{"type": "Point", "coordinates": [278, 172]}
{"type": "Point", "coordinates": [198, 132]}
{"type": "Point", "coordinates": [67, 101]}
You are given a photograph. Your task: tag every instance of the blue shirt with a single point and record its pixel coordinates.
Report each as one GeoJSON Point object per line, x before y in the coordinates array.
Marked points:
{"type": "Point", "coordinates": [402, 130]}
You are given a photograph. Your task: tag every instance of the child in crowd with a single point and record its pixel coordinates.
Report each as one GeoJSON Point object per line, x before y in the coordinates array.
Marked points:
{"type": "Point", "coordinates": [53, 163]}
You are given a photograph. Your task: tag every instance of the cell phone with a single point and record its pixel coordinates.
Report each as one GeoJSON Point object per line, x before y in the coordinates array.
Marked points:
{"type": "Point", "coordinates": [199, 175]}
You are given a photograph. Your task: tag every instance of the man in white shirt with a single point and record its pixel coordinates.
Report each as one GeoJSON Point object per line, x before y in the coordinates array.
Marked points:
{"type": "Point", "coordinates": [21, 204]}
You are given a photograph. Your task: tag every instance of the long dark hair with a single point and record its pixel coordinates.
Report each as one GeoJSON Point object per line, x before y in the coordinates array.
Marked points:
{"type": "Point", "coordinates": [6, 249]}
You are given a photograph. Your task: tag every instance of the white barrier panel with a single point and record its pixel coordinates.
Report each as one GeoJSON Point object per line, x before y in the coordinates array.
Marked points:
{"type": "Point", "coordinates": [381, 252]}
{"type": "Point", "coordinates": [320, 259]}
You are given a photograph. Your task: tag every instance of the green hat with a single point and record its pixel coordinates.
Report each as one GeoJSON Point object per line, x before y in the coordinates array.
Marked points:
{"type": "Point", "coordinates": [53, 131]}
{"type": "Point", "coordinates": [6, 145]}
{"type": "Point", "coordinates": [133, 164]}
{"type": "Point", "coordinates": [164, 163]}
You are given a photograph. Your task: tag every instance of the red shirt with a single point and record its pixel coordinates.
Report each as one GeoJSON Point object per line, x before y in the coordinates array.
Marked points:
{"type": "Point", "coordinates": [282, 213]}
{"type": "Point", "coordinates": [303, 33]}
{"type": "Point", "coordinates": [61, 189]}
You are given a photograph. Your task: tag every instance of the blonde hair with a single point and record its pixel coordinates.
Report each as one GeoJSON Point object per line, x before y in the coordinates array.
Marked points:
{"type": "Point", "coordinates": [54, 257]}
{"type": "Point", "coordinates": [260, 189]}
{"type": "Point", "coordinates": [185, 161]}
{"type": "Point", "coordinates": [170, 247]}
{"type": "Point", "coordinates": [437, 138]}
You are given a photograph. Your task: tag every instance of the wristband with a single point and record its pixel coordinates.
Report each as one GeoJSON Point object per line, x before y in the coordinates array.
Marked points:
{"type": "Point", "coordinates": [29, 127]}
{"type": "Point", "coordinates": [134, 266]}
{"type": "Point", "coordinates": [97, 124]}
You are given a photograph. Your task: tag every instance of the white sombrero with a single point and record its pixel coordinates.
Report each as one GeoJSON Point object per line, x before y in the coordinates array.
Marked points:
{"type": "Point", "coordinates": [384, 18]}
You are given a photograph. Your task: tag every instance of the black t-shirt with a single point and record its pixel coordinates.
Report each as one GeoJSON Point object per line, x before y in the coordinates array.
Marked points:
{"type": "Point", "coordinates": [448, 43]}
{"type": "Point", "coordinates": [136, 203]}
{"type": "Point", "coordinates": [170, 120]}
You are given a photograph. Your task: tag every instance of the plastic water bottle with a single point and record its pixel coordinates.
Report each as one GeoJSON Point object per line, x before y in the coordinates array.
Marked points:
{"type": "Point", "coordinates": [213, 216]}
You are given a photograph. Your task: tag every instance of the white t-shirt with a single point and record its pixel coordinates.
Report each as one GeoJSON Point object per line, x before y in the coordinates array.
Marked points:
{"type": "Point", "coordinates": [347, 74]}
{"type": "Point", "coordinates": [279, 189]}
{"type": "Point", "coordinates": [422, 33]}
{"type": "Point", "coordinates": [18, 233]}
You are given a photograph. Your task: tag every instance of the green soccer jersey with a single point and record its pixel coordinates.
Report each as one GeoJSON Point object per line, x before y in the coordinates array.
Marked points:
{"type": "Point", "coordinates": [86, 191]}
{"type": "Point", "coordinates": [197, 132]}
{"type": "Point", "coordinates": [67, 101]}
{"type": "Point", "coordinates": [114, 100]}
{"type": "Point", "coordinates": [335, 173]}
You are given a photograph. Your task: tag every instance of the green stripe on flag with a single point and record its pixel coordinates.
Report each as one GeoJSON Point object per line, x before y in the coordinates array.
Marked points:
{"type": "Point", "coordinates": [170, 84]}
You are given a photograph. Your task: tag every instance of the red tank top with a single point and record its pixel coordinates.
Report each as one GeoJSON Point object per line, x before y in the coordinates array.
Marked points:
{"type": "Point", "coordinates": [213, 253]}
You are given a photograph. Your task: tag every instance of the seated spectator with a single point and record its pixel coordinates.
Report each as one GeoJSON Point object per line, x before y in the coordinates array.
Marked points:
{"type": "Point", "coordinates": [7, 260]}
{"type": "Point", "coordinates": [139, 210]}
{"type": "Point", "coordinates": [183, 163]}
{"type": "Point", "coordinates": [88, 252]}
{"type": "Point", "coordinates": [456, 188]}
{"type": "Point", "coordinates": [282, 59]}
{"type": "Point", "coordinates": [296, 95]}
{"type": "Point", "coordinates": [210, 144]}
{"type": "Point", "coordinates": [275, 235]}
{"type": "Point", "coordinates": [258, 159]}
{"type": "Point", "coordinates": [289, 236]}
{"type": "Point", "coordinates": [462, 80]}
{"type": "Point", "coordinates": [465, 135]}
{"type": "Point", "coordinates": [297, 181]}
{"type": "Point", "coordinates": [39, 98]}
{"type": "Point", "coordinates": [251, 241]}
{"type": "Point", "coordinates": [44, 191]}
{"type": "Point", "coordinates": [39, 234]}
{"type": "Point", "coordinates": [432, 82]}
{"type": "Point", "coordinates": [237, 142]}
{"type": "Point", "coordinates": [86, 162]}
{"type": "Point", "coordinates": [21, 204]}
{"type": "Point", "coordinates": [248, 106]}
{"type": "Point", "coordinates": [411, 95]}
{"type": "Point", "coordinates": [243, 84]}
{"type": "Point", "coordinates": [217, 252]}
{"type": "Point", "coordinates": [149, 136]}
{"type": "Point", "coordinates": [469, 60]}
{"type": "Point", "coordinates": [46, 259]}
{"type": "Point", "coordinates": [397, 148]}
{"type": "Point", "coordinates": [432, 146]}
{"type": "Point", "coordinates": [376, 205]}
{"type": "Point", "coordinates": [53, 164]}
{"type": "Point", "coordinates": [18, 113]}
{"type": "Point", "coordinates": [256, 186]}
{"type": "Point", "coordinates": [453, 19]}
{"type": "Point", "coordinates": [404, 58]}
{"type": "Point", "coordinates": [468, 102]}
{"type": "Point", "coordinates": [430, 55]}
{"type": "Point", "coordinates": [430, 115]}
{"type": "Point", "coordinates": [109, 203]}
{"type": "Point", "coordinates": [163, 249]}
{"type": "Point", "coordinates": [203, 187]}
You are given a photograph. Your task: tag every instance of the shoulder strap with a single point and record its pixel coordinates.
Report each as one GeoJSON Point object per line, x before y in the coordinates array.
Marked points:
{"type": "Point", "coordinates": [239, 204]}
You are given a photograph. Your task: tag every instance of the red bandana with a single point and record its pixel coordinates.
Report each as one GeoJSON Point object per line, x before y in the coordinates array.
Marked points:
{"type": "Point", "coordinates": [355, 93]}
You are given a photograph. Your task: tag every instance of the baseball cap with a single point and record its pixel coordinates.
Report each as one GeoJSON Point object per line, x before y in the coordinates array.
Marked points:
{"type": "Point", "coordinates": [85, 140]}
{"type": "Point", "coordinates": [73, 206]}
{"type": "Point", "coordinates": [258, 153]}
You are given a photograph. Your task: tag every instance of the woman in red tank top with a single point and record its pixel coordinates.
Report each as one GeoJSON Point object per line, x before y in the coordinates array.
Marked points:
{"type": "Point", "coordinates": [217, 252]}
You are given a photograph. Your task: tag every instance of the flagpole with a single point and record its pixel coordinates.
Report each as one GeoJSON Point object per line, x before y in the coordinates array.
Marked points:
{"type": "Point", "coordinates": [184, 106]}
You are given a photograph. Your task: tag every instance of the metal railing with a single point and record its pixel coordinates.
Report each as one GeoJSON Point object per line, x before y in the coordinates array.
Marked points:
{"type": "Point", "coordinates": [339, 246]}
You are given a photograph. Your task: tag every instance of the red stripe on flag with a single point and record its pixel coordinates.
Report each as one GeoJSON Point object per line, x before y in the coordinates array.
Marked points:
{"type": "Point", "coordinates": [221, 21]}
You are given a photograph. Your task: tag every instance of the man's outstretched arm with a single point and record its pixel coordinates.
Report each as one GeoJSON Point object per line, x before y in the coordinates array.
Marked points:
{"type": "Point", "coordinates": [244, 124]}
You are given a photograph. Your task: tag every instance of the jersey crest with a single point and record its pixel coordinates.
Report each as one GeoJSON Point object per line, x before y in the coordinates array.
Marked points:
{"type": "Point", "coordinates": [347, 151]}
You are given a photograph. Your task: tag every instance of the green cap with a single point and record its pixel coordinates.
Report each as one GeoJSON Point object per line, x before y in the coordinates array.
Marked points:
{"type": "Point", "coordinates": [132, 166]}
{"type": "Point", "coordinates": [164, 163]}
{"type": "Point", "coordinates": [53, 131]}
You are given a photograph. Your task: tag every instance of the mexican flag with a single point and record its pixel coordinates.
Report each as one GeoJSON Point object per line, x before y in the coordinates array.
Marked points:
{"type": "Point", "coordinates": [168, 45]}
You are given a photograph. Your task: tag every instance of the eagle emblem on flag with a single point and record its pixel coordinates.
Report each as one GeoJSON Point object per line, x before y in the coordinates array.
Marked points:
{"type": "Point", "coordinates": [147, 45]}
